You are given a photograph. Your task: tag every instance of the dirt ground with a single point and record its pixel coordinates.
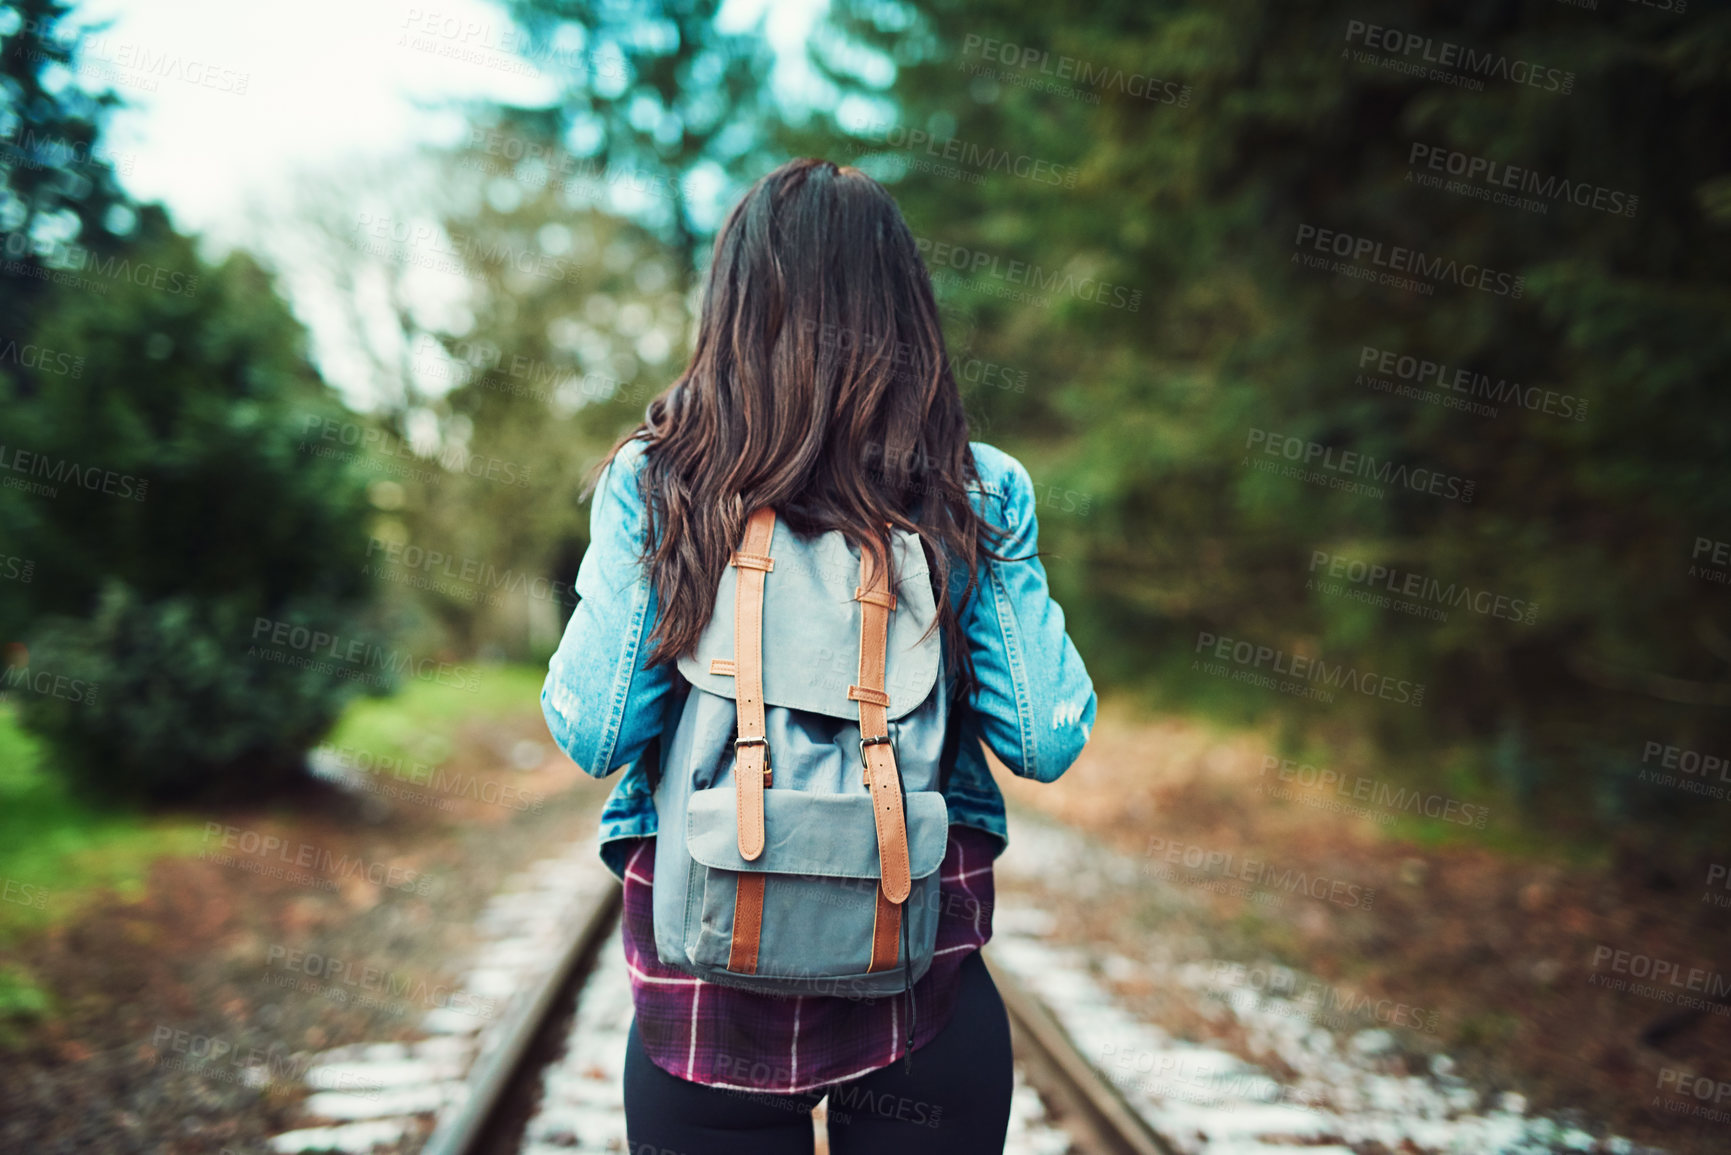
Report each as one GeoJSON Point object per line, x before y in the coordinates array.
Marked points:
{"type": "Point", "coordinates": [165, 1001]}
{"type": "Point", "coordinates": [1508, 966]}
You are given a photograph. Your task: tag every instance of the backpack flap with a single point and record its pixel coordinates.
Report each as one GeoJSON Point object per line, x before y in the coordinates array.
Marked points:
{"type": "Point", "coordinates": [822, 835]}
{"type": "Point", "coordinates": [811, 628]}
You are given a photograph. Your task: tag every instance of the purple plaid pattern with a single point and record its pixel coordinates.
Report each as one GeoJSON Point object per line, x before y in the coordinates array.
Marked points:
{"type": "Point", "coordinates": [726, 1037]}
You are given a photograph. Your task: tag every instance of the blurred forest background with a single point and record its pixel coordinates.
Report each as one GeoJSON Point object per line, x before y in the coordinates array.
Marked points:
{"type": "Point", "coordinates": [206, 478]}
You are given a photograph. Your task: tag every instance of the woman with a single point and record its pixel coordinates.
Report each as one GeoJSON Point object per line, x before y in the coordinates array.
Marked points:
{"type": "Point", "coordinates": [819, 386]}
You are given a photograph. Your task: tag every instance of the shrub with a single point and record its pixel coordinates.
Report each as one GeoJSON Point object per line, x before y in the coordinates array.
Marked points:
{"type": "Point", "coordinates": [171, 503]}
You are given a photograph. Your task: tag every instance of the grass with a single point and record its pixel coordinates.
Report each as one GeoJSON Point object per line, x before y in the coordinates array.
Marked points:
{"type": "Point", "coordinates": [59, 852]}
{"type": "Point", "coordinates": [420, 724]}
{"type": "Point", "coordinates": [1506, 836]}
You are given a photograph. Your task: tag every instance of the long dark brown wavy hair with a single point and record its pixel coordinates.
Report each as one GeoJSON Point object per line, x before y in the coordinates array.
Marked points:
{"type": "Point", "coordinates": [819, 386]}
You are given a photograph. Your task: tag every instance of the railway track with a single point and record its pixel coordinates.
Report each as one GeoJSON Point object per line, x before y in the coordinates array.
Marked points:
{"type": "Point", "coordinates": [489, 1112]}
{"type": "Point", "coordinates": [1091, 1109]}
{"type": "Point", "coordinates": [544, 1076]}
{"type": "Point", "coordinates": [486, 1116]}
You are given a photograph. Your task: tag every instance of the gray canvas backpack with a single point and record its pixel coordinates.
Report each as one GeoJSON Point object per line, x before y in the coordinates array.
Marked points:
{"type": "Point", "coordinates": [800, 814]}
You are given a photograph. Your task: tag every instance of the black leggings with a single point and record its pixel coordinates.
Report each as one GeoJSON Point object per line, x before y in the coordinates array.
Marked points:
{"type": "Point", "coordinates": [956, 1100]}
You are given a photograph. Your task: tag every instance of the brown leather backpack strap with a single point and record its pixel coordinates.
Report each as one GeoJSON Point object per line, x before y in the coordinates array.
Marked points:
{"type": "Point", "coordinates": [751, 769]}
{"type": "Point", "coordinates": [747, 922]}
{"type": "Point", "coordinates": [882, 778]}
{"type": "Point", "coordinates": [886, 932]}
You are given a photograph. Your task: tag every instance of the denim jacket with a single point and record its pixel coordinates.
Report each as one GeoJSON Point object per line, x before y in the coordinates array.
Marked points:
{"type": "Point", "coordinates": [1034, 705]}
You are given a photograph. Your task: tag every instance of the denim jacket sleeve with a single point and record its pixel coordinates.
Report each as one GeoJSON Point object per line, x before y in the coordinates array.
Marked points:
{"type": "Point", "coordinates": [1035, 702]}
{"type": "Point", "coordinates": [601, 704]}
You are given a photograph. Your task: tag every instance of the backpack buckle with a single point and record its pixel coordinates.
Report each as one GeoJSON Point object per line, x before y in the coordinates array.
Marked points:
{"type": "Point", "coordinates": [764, 742]}
{"type": "Point", "coordinates": [864, 742]}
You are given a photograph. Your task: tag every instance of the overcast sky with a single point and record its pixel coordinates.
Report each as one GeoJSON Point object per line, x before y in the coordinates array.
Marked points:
{"type": "Point", "coordinates": [302, 86]}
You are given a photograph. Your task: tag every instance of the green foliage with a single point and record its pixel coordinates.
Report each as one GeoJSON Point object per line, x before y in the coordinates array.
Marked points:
{"type": "Point", "coordinates": [652, 94]}
{"type": "Point", "coordinates": [1195, 203]}
{"type": "Point", "coordinates": [157, 700]}
{"type": "Point", "coordinates": [60, 201]}
{"type": "Point", "coordinates": [543, 374]}
{"type": "Point", "coordinates": [175, 504]}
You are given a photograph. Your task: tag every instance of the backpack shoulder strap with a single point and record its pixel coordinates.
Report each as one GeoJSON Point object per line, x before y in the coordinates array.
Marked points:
{"type": "Point", "coordinates": [877, 754]}
{"type": "Point", "coordinates": [878, 758]}
{"type": "Point", "coordinates": [752, 771]}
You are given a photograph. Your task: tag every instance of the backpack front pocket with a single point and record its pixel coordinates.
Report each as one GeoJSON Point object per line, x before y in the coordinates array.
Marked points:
{"type": "Point", "coordinates": [820, 880]}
